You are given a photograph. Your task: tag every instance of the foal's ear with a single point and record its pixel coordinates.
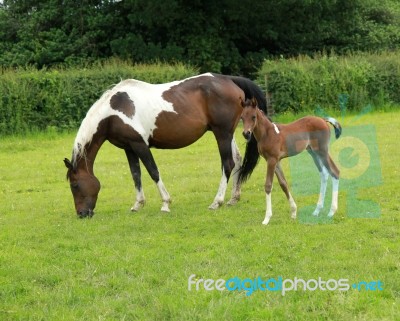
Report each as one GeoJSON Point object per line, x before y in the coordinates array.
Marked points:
{"type": "Point", "coordinates": [68, 164]}
{"type": "Point", "coordinates": [253, 102]}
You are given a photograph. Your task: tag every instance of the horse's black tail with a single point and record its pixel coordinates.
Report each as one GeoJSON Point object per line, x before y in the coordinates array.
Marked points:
{"type": "Point", "coordinates": [336, 126]}
{"type": "Point", "coordinates": [251, 155]}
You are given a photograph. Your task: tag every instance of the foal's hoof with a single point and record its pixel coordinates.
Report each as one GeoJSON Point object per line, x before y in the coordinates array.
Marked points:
{"type": "Point", "coordinates": [265, 222]}
{"type": "Point", "coordinates": [315, 213]}
{"type": "Point", "coordinates": [318, 210]}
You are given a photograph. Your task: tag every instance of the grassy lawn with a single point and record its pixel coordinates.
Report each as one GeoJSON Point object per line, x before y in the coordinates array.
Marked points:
{"type": "Point", "coordinates": [126, 266]}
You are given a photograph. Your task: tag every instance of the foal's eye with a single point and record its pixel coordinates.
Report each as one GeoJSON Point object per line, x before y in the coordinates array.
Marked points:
{"type": "Point", "coordinates": [253, 117]}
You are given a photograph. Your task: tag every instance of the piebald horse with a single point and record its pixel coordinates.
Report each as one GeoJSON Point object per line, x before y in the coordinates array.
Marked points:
{"type": "Point", "coordinates": [276, 142]}
{"type": "Point", "coordinates": [136, 116]}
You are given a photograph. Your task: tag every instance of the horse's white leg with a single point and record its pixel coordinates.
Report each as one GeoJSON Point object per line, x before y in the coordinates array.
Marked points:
{"type": "Point", "coordinates": [324, 179]}
{"type": "Point", "coordinates": [134, 166]}
{"type": "Point", "coordinates": [335, 193]}
{"type": "Point", "coordinates": [166, 199]}
{"type": "Point", "coordinates": [219, 198]}
{"type": "Point", "coordinates": [140, 200]}
{"type": "Point", "coordinates": [235, 174]}
{"type": "Point", "coordinates": [145, 155]}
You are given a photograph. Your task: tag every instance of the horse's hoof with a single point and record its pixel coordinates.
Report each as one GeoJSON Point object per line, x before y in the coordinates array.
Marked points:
{"type": "Point", "coordinates": [232, 201]}
{"type": "Point", "coordinates": [214, 206]}
{"type": "Point", "coordinates": [137, 206]}
{"type": "Point", "coordinates": [165, 207]}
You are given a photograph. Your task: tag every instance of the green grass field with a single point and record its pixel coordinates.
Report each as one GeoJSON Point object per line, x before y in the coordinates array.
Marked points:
{"type": "Point", "coordinates": [135, 266]}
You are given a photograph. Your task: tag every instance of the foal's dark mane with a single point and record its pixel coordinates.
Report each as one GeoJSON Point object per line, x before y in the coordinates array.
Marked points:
{"type": "Point", "coordinates": [68, 174]}
{"type": "Point", "coordinates": [251, 155]}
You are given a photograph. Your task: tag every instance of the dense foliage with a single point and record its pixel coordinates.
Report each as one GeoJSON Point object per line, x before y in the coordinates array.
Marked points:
{"type": "Point", "coordinates": [32, 99]}
{"type": "Point", "coordinates": [223, 36]}
{"type": "Point", "coordinates": [305, 83]}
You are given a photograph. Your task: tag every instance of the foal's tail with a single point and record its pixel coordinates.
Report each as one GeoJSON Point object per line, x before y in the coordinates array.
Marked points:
{"type": "Point", "coordinates": [336, 126]}
{"type": "Point", "coordinates": [251, 155]}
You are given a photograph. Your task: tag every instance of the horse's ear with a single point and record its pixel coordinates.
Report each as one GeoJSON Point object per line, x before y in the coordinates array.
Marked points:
{"type": "Point", "coordinates": [254, 102]}
{"type": "Point", "coordinates": [68, 164]}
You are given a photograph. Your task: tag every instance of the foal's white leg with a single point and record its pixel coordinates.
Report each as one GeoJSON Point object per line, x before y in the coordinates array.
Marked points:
{"type": "Point", "coordinates": [166, 199]}
{"type": "Point", "coordinates": [335, 193]}
{"type": "Point", "coordinates": [140, 200]}
{"type": "Point", "coordinates": [219, 198]}
{"type": "Point", "coordinates": [324, 180]}
{"type": "Point", "coordinates": [268, 212]}
{"type": "Point", "coordinates": [235, 174]}
{"type": "Point", "coordinates": [293, 206]}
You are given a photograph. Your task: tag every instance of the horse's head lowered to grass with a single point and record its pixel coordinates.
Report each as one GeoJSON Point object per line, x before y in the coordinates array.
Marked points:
{"type": "Point", "coordinates": [135, 116]}
{"type": "Point", "coordinates": [85, 189]}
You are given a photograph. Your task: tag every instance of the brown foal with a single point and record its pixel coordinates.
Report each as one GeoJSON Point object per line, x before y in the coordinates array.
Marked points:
{"type": "Point", "coordinates": [280, 141]}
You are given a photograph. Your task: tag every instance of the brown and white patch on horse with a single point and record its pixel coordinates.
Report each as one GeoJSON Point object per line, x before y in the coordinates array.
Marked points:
{"type": "Point", "coordinates": [121, 102]}
{"type": "Point", "coordinates": [135, 116]}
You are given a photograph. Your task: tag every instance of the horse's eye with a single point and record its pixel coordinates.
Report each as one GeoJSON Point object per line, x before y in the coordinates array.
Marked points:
{"type": "Point", "coordinates": [253, 118]}
{"type": "Point", "coordinates": [74, 185]}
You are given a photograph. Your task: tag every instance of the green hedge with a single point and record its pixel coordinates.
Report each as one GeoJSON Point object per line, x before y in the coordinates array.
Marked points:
{"type": "Point", "coordinates": [32, 100]}
{"type": "Point", "coordinates": [305, 83]}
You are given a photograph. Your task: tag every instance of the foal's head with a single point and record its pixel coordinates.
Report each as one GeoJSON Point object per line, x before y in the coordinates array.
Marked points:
{"type": "Point", "coordinates": [249, 117]}
{"type": "Point", "coordinates": [84, 188]}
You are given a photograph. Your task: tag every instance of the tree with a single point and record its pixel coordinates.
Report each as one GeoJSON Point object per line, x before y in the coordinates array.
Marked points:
{"type": "Point", "coordinates": [228, 36]}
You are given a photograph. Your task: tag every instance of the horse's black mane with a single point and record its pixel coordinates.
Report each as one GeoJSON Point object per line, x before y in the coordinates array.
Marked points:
{"type": "Point", "coordinates": [251, 90]}
{"type": "Point", "coordinates": [251, 155]}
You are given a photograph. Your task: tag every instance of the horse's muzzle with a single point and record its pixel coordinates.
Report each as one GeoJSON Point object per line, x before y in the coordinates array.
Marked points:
{"type": "Point", "coordinates": [86, 213]}
{"type": "Point", "coordinates": [247, 135]}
